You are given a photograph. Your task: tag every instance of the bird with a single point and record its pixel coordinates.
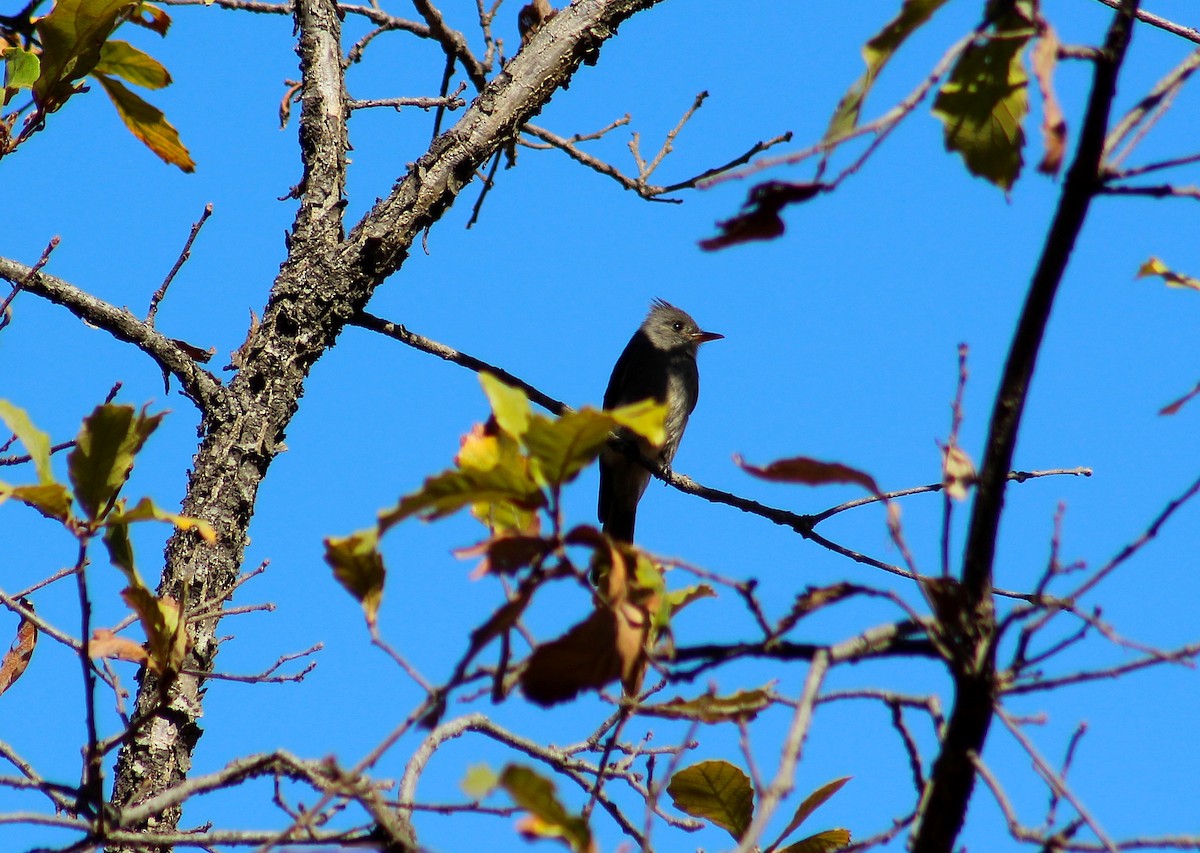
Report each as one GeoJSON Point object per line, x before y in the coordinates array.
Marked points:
{"type": "Point", "coordinates": [659, 362]}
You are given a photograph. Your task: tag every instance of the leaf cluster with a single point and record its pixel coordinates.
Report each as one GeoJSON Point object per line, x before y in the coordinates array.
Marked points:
{"type": "Point", "coordinates": [54, 53]}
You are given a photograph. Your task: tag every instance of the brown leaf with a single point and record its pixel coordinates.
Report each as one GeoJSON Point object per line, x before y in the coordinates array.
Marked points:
{"type": "Point", "coordinates": [584, 658]}
{"type": "Point", "coordinates": [506, 554]}
{"type": "Point", "coordinates": [531, 18]}
{"type": "Point", "coordinates": [1174, 407]}
{"type": "Point", "coordinates": [1054, 126]}
{"type": "Point", "coordinates": [16, 659]}
{"type": "Point", "coordinates": [958, 472]}
{"type": "Point", "coordinates": [810, 472]}
{"type": "Point", "coordinates": [759, 218]}
{"type": "Point", "coordinates": [106, 644]}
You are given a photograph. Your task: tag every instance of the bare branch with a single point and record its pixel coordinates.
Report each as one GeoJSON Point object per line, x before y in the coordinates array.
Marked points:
{"type": "Point", "coordinates": [183, 256]}
{"type": "Point", "coordinates": [204, 389]}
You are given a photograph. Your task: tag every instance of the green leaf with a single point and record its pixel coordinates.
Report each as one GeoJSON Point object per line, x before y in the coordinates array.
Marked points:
{"type": "Point", "coordinates": [876, 53]}
{"type": "Point", "coordinates": [562, 448]}
{"type": "Point", "coordinates": [829, 841]}
{"type": "Point", "coordinates": [509, 405]}
{"type": "Point", "coordinates": [811, 803]}
{"type": "Point", "coordinates": [716, 791]}
{"type": "Point", "coordinates": [148, 124]}
{"type": "Point", "coordinates": [72, 36]}
{"type": "Point", "coordinates": [147, 510]}
{"type": "Point", "coordinates": [21, 70]}
{"type": "Point", "coordinates": [550, 819]}
{"type": "Point", "coordinates": [36, 442]}
{"type": "Point", "coordinates": [982, 105]}
{"type": "Point", "coordinates": [121, 59]}
{"type": "Point", "coordinates": [677, 599]}
{"type": "Point", "coordinates": [743, 705]}
{"type": "Point", "coordinates": [120, 550]}
{"type": "Point", "coordinates": [358, 566]}
{"type": "Point", "coordinates": [166, 632]}
{"type": "Point", "coordinates": [108, 441]}
{"type": "Point", "coordinates": [446, 493]}
{"type": "Point", "coordinates": [52, 500]}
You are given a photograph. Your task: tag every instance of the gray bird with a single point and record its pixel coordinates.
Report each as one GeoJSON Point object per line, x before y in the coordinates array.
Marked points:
{"type": "Point", "coordinates": [660, 362]}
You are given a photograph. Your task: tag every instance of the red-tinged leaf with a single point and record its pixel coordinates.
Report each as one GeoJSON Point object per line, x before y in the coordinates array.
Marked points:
{"type": "Point", "coordinates": [809, 472]}
{"type": "Point", "coordinates": [148, 124]}
{"type": "Point", "coordinates": [1054, 125]}
{"type": "Point", "coordinates": [507, 554]}
{"type": "Point", "coordinates": [716, 791]}
{"type": "Point", "coordinates": [759, 218]}
{"type": "Point", "coordinates": [811, 803]}
{"type": "Point", "coordinates": [72, 36]}
{"type": "Point", "coordinates": [1180, 403]}
{"type": "Point", "coordinates": [106, 644]}
{"type": "Point", "coordinates": [121, 59]}
{"type": "Point", "coordinates": [585, 658]}
{"type": "Point", "coordinates": [152, 18]}
{"type": "Point", "coordinates": [17, 658]}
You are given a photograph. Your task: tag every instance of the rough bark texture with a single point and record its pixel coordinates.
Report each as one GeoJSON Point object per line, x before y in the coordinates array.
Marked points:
{"type": "Point", "coordinates": [324, 281]}
{"type": "Point", "coordinates": [947, 794]}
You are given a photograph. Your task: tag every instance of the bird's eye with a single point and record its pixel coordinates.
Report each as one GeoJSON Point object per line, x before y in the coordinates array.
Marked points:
{"type": "Point", "coordinates": [677, 326]}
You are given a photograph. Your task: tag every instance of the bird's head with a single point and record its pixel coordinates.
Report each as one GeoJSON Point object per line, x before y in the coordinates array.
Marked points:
{"type": "Point", "coordinates": [669, 328]}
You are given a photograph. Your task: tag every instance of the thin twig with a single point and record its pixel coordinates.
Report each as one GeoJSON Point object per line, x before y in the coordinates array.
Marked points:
{"type": "Point", "coordinates": [183, 256]}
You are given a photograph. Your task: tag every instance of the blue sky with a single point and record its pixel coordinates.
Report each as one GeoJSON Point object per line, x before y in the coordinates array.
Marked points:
{"type": "Point", "coordinates": [840, 343]}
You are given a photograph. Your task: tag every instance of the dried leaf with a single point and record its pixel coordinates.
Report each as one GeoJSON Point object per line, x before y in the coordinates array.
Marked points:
{"type": "Point", "coordinates": [1054, 125]}
{"type": "Point", "coordinates": [743, 705]}
{"type": "Point", "coordinates": [809, 472]}
{"type": "Point", "coordinates": [584, 658]}
{"type": "Point", "coordinates": [958, 472]}
{"type": "Point", "coordinates": [759, 218]}
{"type": "Point", "coordinates": [106, 644]}
{"type": "Point", "coordinates": [17, 658]}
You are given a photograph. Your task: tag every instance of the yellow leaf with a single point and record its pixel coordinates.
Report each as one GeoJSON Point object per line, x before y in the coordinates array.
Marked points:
{"type": "Point", "coordinates": [148, 124]}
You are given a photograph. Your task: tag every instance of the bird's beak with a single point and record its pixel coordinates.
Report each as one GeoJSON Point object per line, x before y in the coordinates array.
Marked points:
{"type": "Point", "coordinates": [705, 337]}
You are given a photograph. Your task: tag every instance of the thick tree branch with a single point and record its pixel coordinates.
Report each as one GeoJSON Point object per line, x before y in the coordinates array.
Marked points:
{"type": "Point", "coordinates": [944, 802]}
